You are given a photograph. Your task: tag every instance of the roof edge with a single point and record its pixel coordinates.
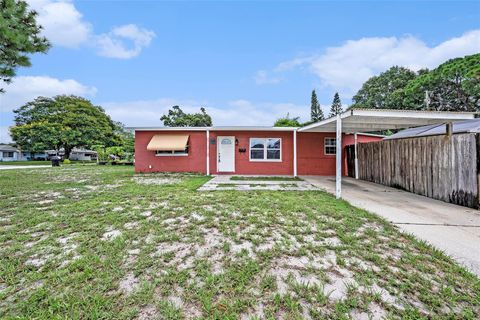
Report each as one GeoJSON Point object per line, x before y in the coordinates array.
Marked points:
{"type": "Point", "coordinates": [218, 128]}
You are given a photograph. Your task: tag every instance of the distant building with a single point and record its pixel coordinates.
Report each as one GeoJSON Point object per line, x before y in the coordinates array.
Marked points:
{"type": "Point", "coordinates": [9, 153]}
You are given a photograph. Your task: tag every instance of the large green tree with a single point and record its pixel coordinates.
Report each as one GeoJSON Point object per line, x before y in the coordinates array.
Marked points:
{"type": "Point", "coordinates": [19, 37]}
{"type": "Point", "coordinates": [316, 113]}
{"type": "Point", "coordinates": [63, 122]}
{"type": "Point", "coordinates": [452, 86]}
{"type": "Point", "coordinates": [385, 90]}
{"type": "Point", "coordinates": [336, 107]}
{"type": "Point", "coordinates": [177, 118]}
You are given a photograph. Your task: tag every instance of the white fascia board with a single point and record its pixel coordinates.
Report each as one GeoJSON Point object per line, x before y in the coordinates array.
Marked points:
{"type": "Point", "coordinates": [247, 128]}
{"type": "Point", "coordinates": [233, 128]}
{"type": "Point", "coordinates": [171, 128]}
{"type": "Point", "coordinates": [413, 114]}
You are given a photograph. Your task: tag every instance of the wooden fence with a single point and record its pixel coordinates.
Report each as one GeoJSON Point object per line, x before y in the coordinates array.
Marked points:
{"type": "Point", "coordinates": [440, 167]}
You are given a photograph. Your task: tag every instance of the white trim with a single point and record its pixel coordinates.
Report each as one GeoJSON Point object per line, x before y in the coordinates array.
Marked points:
{"type": "Point", "coordinates": [330, 145]}
{"type": "Point", "coordinates": [386, 119]}
{"type": "Point", "coordinates": [225, 128]}
{"type": "Point", "coordinates": [171, 155]}
{"type": "Point", "coordinates": [208, 152]}
{"type": "Point", "coordinates": [338, 180]}
{"type": "Point", "coordinates": [295, 153]}
{"type": "Point", "coordinates": [370, 134]}
{"type": "Point", "coordinates": [265, 150]}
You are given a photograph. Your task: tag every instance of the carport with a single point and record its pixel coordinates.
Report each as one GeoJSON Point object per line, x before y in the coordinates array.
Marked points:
{"type": "Point", "coordinates": [367, 120]}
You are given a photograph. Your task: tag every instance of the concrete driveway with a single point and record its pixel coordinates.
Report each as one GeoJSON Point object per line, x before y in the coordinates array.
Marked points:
{"type": "Point", "coordinates": [451, 228]}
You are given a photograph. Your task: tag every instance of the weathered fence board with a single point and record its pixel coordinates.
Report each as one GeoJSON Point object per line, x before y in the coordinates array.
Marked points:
{"type": "Point", "coordinates": [439, 167]}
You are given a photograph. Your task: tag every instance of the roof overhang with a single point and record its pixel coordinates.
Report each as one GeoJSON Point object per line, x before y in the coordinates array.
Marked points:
{"type": "Point", "coordinates": [367, 120]}
{"type": "Point", "coordinates": [224, 128]}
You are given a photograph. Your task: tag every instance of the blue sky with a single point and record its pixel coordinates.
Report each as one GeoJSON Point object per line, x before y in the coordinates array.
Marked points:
{"type": "Point", "coordinates": [248, 63]}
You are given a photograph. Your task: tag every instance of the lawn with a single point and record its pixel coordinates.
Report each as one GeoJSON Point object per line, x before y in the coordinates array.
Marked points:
{"type": "Point", "coordinates": [91, 242]}
{"type": "Point", "coordinates": [41, 162]}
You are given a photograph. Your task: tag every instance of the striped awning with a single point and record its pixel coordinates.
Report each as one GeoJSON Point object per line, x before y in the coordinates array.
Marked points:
{"type": "Point", "coordinates": [168, 142]}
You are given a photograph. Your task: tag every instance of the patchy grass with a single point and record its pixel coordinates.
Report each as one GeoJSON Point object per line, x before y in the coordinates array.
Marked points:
{"type": "Point", "coordinates": [100, 242]}
{"type": "Point", "coordinates": [265, 178]}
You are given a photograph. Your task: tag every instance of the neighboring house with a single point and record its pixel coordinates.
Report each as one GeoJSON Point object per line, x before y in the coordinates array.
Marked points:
{"type": "Point", "coordinates": [77, 154]}
{"type": "Point", "coordinates": [29, 155]}
{"type": "Point", "coordinates": [238, 150]}
{"type": "Point", "coordinates": [9, 153]}
{"type": "Point", "coordinates": [83, 155]}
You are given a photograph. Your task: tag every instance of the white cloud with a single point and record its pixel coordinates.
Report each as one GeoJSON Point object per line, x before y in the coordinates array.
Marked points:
{"type": "Point", "coordinates": [346, 67]}
{"type": "Point", "coordinates": [235, 112]}
{"type": "Point", "coordinates": [113, 44]}
{"type": "Point", "coordinates": [27, 88]}
{"type": "Point", "coordinates": [5, 135]}
{"type": "Point", "coordinates": [262, 77]}
{"type": "Point", "coordinates": [62, 22]}
{"type": "Point", "coordinates": [65, 26]}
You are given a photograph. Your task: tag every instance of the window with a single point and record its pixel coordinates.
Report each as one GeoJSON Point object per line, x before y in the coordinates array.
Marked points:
{"type": "Point", "coordinates": [8, 154]}
{"type": "Point", "coordinates": [265, 149]}
{"type": "Point", "coordinates": [330, 146]}
{"type": "Point", "coordinates": [172, 152]}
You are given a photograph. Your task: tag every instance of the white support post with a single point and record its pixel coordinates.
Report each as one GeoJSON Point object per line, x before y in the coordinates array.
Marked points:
{"type": "Point", "coordinates": [295, 153]}
{"type": "Point", "coordinates": [338, 180]}
{"type": "Point", "coordinates": [208, 152]}
{"type": "Point", "coordinates": [356, 156]}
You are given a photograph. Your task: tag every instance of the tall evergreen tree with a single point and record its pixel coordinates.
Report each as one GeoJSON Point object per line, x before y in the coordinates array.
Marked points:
{"type": "Point", "coordinates": [336, 107]}
{"type": "Point", "coordinates": [20, 36]}
{"type": "Point", "coordinates": [316, 112]}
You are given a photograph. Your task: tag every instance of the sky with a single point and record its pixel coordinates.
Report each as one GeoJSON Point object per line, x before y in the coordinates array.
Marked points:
{"type": "Point", "coordinates": [246, 62]}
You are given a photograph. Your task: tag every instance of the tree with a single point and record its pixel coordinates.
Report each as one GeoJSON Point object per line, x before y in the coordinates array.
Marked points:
{"type": "Point", "coordinates": [385, 90]}
{"type": "Point", "coordinates": [177, 118]}
{"type": "Point", "coordinates": [63, 122]}
{"type": "Point", "coordinates": [19, 37]}
{"type": "Point", "coordinates": [452, 86]}
{"type": "Point", "coordinates": [336, 107]}
{"type": "Point", "coordinates": [287, 122]}
{"type": "Point", "coordinates": [316, 113]}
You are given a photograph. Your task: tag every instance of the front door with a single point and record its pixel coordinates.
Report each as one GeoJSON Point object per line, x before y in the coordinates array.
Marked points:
{"type": "Point", "coordinates": [226, 154]}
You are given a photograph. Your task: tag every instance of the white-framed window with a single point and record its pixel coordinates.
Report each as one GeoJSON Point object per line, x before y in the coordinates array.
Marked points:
{"type": "Point", "coordinates": [265, 149]}
{"type": "Point", "coordinates": [8, 154]}
{"type": "Point", "coordinates": [163, 153]}
{"type": "Point", "coordinates": [330, 146]}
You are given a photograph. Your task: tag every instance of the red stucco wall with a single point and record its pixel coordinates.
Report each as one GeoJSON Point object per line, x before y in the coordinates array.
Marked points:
{"type": "Point", "coordinates": [311, 158]}
{"type": "Point", "coordinates": [194, 162]}
{"type": "Point", "coordinates": [242, 163]}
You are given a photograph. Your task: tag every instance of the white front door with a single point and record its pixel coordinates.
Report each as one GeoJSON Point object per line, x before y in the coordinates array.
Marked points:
{"type": "Point", "coordinates": [226, 154]}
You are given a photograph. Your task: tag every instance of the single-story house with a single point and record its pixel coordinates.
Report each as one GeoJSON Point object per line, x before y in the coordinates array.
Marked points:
{"type": "Point", "coordinates": [9, 153]}
{"type": "Point", "coordinates": [30, 155]}
{"type": "Point", "coordinates": [239, 150]}
{"type": "Point", "coordinates": [77, 154]}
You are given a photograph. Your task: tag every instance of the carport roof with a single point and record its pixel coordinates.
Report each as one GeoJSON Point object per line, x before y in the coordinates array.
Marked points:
{"type": "Point", "coordinates": [465, 126]}
{"type": "Point", "coordinates": [368, 120]}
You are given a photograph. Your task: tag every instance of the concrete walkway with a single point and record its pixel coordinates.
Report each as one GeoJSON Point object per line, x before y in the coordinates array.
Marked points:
{"type": "Point", "coordinates": [9, 167]}
{"type": "Point", "coordinates": [224, 182]}
{"type": "Point", "coordinates": [451, 228]}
